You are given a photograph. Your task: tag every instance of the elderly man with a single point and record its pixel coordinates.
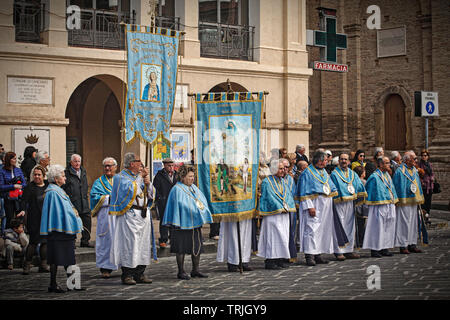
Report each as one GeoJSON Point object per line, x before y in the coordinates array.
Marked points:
{"type": "Point", "coordinates": [274, 206]}
{"type": "Point", "coordinates": [410, 195]}
{"type": "Point", "coordinates": [315, 192]}
{"type": "Point", "coordinates": [164, 181]}
{"type": "Point", "coordinates": [396, 160]}
{"type": "Point", "coordinates": [381, 199]}
{"type": "Point", "coordinates": [43, 160]}
{"type": "Point", "coordinates": [99, 199]}
{"type": "Point", "coordinates": [292, 187]}
{"type": "Point", "coordinates": [349, 188]}
{"type": "Point", "coordinates": [131, 196]}
{"type": "Point", "coordinates": [300, 153]}
{"type": "Point", "coordinates": [77, 188]}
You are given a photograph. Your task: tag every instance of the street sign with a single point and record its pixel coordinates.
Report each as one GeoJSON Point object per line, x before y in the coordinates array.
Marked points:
{"type": "Point", "coordinates": [426, 104]}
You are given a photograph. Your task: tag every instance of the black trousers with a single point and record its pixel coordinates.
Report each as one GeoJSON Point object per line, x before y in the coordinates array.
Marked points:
{"type": "Point", "coordinates": [135, 273]}
{"type": "Point", "coordinates": [11, 209]}
{"type": "Point", "coordinates": [86, 233]}
{"type": "Point", "coordinates": [214, 229]}
{"type": "Point", "coordinates": [427, 204]}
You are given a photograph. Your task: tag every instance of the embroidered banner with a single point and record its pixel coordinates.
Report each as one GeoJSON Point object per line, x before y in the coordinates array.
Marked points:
{"type": "Point", "coordinates": [227, 153]}
{"type": "Point", "coordinates": [152, 76]}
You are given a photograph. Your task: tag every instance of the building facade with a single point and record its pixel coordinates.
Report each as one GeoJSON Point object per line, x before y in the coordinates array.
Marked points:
{"type": "Point", "coordinates": [372, 105]}
{"type": "Point", "coordinates": [64, 80]}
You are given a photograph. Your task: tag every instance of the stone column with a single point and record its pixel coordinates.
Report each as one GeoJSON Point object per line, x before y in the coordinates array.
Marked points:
{"type": "Point", "coordinates": [55, 32]}
{"type": "Point", "coordinates": [187, 10]}
{"type": "Point", "coordinates": [7, 30]}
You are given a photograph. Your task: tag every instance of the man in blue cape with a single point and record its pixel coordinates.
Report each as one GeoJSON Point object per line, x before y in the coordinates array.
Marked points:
{"type": "Point", "coordinates": [131, 196]}
{"type": "Point", "coordinates": [99, 200]}
{"type": "Point", "coordinates": [351, 192]}
{"type": "Point", "coordinates": [275, 204]}
{"type": "Point", "coordinates": [381, 199]}
{"type": "Point", "coordinates": [318, 225]}
{"type": "Point", "coordinates": [410, 196]}
{"type": "Point", "coordinates": [292, 187]}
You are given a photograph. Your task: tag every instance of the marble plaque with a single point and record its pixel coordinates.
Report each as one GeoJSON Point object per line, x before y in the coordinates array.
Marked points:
{"type": "Point", "coordinates": [391, 42]}
{"type": "Point", "coordinates": [25, 90]}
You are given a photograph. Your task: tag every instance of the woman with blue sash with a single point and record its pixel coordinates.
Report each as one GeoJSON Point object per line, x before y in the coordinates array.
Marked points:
{"type": "Point", "coordinates": [60, 223]}
{"type": "Point", "coordinates": [187, 211]}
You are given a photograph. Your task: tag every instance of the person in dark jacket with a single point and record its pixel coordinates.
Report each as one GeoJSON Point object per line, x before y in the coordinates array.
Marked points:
{"type": "Point", "coordinates": [29, 162]}
{"type": "Point", "coordinates": [76, 187]}
{"type": "Point", "coordinates": [164, 180]}
{"type": "Point", "coordinates": [12, 183]}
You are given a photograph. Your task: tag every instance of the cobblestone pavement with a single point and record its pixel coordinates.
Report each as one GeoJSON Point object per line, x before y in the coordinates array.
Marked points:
{"type": "Point", "coordinates": [415, 276]}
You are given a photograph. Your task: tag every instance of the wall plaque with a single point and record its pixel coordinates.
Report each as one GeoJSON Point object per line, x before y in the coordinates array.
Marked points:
{"type": "Point", "coordinates": [25, 90]}
{"type": "Point", "coordinates": [391, 42]}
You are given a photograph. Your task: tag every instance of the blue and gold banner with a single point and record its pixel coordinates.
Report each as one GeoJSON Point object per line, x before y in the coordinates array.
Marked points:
{"type": "Point", "coordinates": [152, 78]}
{"type": "Point", "coordinates": [227, 153]}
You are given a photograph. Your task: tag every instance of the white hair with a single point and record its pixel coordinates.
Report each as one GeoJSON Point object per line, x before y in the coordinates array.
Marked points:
{"type": "Point", "coordinates": [75, 156]}
{"type": "Point", "coordinates": [109, 159]}
{"type": "Point", "coordinates": [274, 166]}
{"type": "Point", "coordinates": [408, 154]}
{"type": "Point", "coordinates": [40, 155]}
{"type": "Point", "coordinates": [128, 158]}
{"type": "Point", "coordinates": [54, 171]}
{"type": "Point", "coordinates": [299, 147]}
{"type": "Point", "coordinates": [394, 154]}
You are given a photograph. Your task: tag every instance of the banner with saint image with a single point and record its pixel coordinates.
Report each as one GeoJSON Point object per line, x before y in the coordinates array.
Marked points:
{"type": "Point", "coordinates": [227, 154]}
{"type": "Point", "coordinates": [151, 86]}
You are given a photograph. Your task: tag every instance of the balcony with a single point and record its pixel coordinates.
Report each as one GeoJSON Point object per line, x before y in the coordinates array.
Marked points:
{"type": "Point", "coordinates": [226, 41]}
{"type": "Point", "coordinates": [28, 21]}
{"type": "Point", "coordinates": [101, 29]}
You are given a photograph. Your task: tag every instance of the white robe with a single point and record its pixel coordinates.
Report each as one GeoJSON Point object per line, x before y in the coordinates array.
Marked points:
{"type": "Point", "coordinates": [316, 234]}
{"type": "Point", "coordinates": [273, 240]}
{"type": "Point", "coordinates": [380, 229]}
{"type": "Point", "coordinates": [105, 230]}
{"type": "Point", "coordinates": [406, 226]}
{"type": "Point", "coordinates": [227, 248]}
{"type": "Point", "coordinates": [132, 245]}
{"type": "Point", "coordinates": [346, 214]}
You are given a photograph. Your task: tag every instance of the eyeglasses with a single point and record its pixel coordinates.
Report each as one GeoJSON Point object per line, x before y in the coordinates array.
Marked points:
{"type": "Point", "coordinates": [361, 155]}
{"type": "Point", "coordinates": [109, 165]}
{"type": "Point", "coordinates": [136, 161]}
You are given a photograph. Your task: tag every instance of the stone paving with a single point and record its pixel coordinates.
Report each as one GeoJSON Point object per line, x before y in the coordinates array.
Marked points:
{"type": "Point", "coordinates": [424, 276]}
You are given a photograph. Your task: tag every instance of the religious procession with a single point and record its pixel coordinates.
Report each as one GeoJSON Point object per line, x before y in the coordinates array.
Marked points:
{"type": "Point", "coordinates": [164, 129]}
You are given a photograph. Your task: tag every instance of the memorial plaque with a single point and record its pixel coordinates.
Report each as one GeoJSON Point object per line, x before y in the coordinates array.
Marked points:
{"type": "Point", "coordinates": [391, 42]}
{"type": "Point", "coordinates": [25, 90]}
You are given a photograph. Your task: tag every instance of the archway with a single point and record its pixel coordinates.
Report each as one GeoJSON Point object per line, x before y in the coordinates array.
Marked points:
{"type": "Point", "coordinates": [94, 113]}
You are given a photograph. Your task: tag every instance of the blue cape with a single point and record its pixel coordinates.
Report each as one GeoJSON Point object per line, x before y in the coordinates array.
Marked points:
{"type": "Point", "coordinates": [101, 188]}
{"type": "Point", "coordinates": [182, 211]}
{"type": "Point", "coordinates": [123, 193]}
{"type": "Point", "coordinates": [270, 203]}
{"type": "Point", "coordinates": [403, 186]}
{"type": "Point", "coordinates": [338, 177]}
{"type": "Point", "coordinates": [378, 191]}
{"type": "Point", "coordinates": [309, 187]}
{"type": "Point", "coordinates": [58, 213]}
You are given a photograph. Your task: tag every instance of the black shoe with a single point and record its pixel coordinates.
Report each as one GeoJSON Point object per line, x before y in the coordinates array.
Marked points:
{"type": "Point", "coordinates": [183, 276]}
{"type": "Point", "coordinates": [271, 264]}
{"type": "Point", "coordinates": [56, 289]}
{"type": "Point", "coordinates": [197, 274]}
{"type": "Point", "coordinates": [86, 245]}
{"type": "Point", "coordinates": [232, 267]}
{"type": "Point", "coordinates": [282, 263]}
{"type": "Point", "coordinates": [386, 253]}
{"type": "Point", "coordinates": [375, 254]}
{"type": "Point", "coordinates": [320, 260]}
{"type": "Point", "coordinates": [245, 267]}
{"type": "Point", "coordinates": [75, 289]}
{"type": "Point", "coordinates": [310, 260]}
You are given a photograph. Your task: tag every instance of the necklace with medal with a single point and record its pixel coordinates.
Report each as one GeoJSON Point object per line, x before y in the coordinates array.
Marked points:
{"type": "Point", "coordinates": [413, 186]}
{"type": "Point", "coordinates": [350, 187]}
{"type": "Point", "coordinates": [281, 191]}
{"type": "Point", "coordinates": [326, 187]}
{"type": "Point", "coordinates": [198, 203]}
{"type": "Point", "coordinates": [384, 179]}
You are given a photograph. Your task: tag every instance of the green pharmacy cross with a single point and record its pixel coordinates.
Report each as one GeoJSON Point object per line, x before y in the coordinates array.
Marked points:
{"type": "Point", "coordinates": [327, 38]}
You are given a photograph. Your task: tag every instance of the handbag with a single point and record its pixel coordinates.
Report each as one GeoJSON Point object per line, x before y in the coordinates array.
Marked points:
{"type": "Point", "coordinates": [436, 187]}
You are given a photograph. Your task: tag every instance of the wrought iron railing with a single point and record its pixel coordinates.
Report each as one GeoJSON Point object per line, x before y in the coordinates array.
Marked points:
{"type": "Point", "coordinates": [226, 41]}
{"type": "Point", "coordinates": [28, 21]}
{"type": "Point", "coordinates": [100, 29]}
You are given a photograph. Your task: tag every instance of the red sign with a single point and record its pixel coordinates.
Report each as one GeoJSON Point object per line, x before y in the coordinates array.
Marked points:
{"type": "Point", "coordinates": [329, 66]}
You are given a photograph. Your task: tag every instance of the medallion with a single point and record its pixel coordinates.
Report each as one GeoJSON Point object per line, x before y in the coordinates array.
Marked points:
{"type": "Point", "coordinates": [326, 189]}
{"type": "Point", "coordinates": [351, 189]}
{"type": "Point", "coordinates": [413, 188]}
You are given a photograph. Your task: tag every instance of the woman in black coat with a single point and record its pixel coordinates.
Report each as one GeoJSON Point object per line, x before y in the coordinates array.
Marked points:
{"type": "Point", "coordinates": [31, 205]}
{"type": "Point", "coordinates": [28, 162]}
